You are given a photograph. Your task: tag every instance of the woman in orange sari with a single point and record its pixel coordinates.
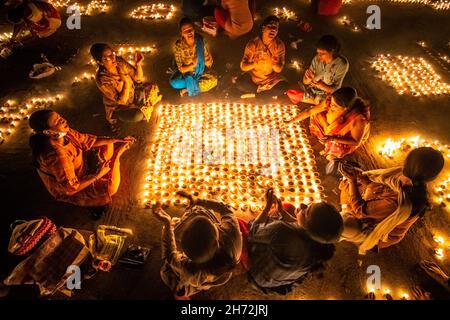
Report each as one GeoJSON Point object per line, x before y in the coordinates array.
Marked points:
{"type": "Point", "coordinates": [341, 122]}
{"type": "Point", "coordinates": [61, 156]}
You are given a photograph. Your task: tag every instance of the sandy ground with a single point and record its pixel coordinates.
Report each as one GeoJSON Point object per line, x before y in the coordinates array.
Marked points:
{"type": "Point", "coordinates": [23, 196]}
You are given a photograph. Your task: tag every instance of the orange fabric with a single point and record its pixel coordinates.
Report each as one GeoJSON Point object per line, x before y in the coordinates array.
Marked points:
{"type": "Point", "coordinates": [63, 167]}
{"type": "Point", "coordinates": [265, 57]}
{"type": "Point", "coordinates": [341, 127]}
{"type": "Point", "coordinates": [379, 201]}
{"type": "Point", "coordinates": [111, 86]}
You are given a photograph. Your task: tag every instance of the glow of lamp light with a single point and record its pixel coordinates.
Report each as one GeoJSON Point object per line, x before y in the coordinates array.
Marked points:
{"type": "Point", "coordinates": [439, 239]}
{"type": "Point", "coordinates": [439, 252]}
{"type": "Point", "coordinates": [410, 75]}
{"type": "Point", "coordinates": [213, 120]}
{"type": "Point", "coordinates": [285, 13]}
{"type": "Point", "coordinates": [93, 7]}
{"type": "Point", "coordinates": [12, 112]}
{"type": "Point", "coordinates": [158, 11]}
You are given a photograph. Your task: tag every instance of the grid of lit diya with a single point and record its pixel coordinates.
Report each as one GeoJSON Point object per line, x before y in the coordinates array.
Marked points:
{"type": "Point", "coordinates": [384, 293]}
{"type": "Point", "coordinates": [442, 192]}
{"type": "Point", "coordinates": [156, 11]}
{"type": "Point", "coordinates": [440, 58]}
{"type": "Point", "coordinates": [11, 112]}
{"type": "Point", "coordinates": [231, 153]}
{"type": "Point", "coordinates": [410, 75]}
{"type": "Point", "coordinates": [285, 14]}
{"type": "Point", "coordinates": [435, 4]}
{"type": "Point", "coordinates": [391, 148]}
{"type": "Point", "coordinates": [5, 36]}
{"type": "Point", "coordinates": [88, 9]}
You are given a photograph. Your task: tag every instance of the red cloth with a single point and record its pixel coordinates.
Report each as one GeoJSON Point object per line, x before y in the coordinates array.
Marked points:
{"type": "Point", "coordinates": [221, 16]}
{"type": "Point", "coordinates": [47, 227]}
{"type": "Point", "coordinates": [245, 230]}
{"type": "Point", "coordinates": [289, 208]}
{"type": "Point", "coordinates": [295, 96]}
{"type": "Point", "coordinates": [329, 7]}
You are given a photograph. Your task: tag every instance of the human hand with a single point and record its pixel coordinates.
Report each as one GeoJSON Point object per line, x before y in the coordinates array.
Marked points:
{"type": "Point", "coordinates": [186, 196]}
{"type": "Point", "coordinates": [421, 294]}
{"type": "Point", "coordinates": [347, 171]}
{"type": "Point", "coordinates": [270, 198]}
{"type": "Point", "coordinates": [160, 214]}
{"type": "Point", "coordinates": [129, 139]}
{"type": "Point", "coordinates": [105, 168]}
{"type": "Point", "coordinates": [309, 74]}
{"type": "Point", "coordinates": [138, 58]}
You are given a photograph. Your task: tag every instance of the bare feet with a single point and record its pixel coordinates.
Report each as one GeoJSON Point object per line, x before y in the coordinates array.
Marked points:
{"type": "Point", "coordinates": [421, 294]}
{"type": "Point", "coordinates": [434, 271]}
{"type": "Point", "coordinates": [183, 92]}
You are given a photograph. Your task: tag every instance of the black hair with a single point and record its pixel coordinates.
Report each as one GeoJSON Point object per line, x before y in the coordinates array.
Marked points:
{"type": "Point", "coordinates": [329, 43]}
{"type": "Point", "coordinates": [421, 166]}
{"type": "Point", "coordinates": [324, 224]}
{"type": "Point", "coordinates": [97, 50]}
{"type": "Point", "coordinates": [199, 241]}
{"type": "Point", "coordinates": [39, 142]}
{"type": "Point", "coordinates": [347, 97]}
{"type": "Point", "coordinates": [17, 14]}
{"type": "Point", "coordinates": [185, 21]}
{"type": "Point", "coordinates": [268, 20]}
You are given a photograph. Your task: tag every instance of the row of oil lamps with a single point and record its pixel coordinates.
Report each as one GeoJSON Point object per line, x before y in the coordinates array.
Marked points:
{"type": "Point", "coordinates": [435, 4]}
{"type": "Point", "coordinates": [172, 165]}
{"type": "Point", "coordinates": [12, 112]}
{"type": "Point", "coordinates": [156, 11]}
{"type": "Point", "coordinates": [410, 75]}
{"type": "Point", "coordinates": [93, 7]}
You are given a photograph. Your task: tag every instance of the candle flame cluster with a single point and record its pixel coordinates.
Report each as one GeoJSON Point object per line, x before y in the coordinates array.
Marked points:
{"type": "Point", "coordinates": [297, 65]}
{"type": "Point", "coordinates": [285, 14]}
{"type": "Point", "coordinates": [441, 59]}
{"type": "Point", "coordinates": [387, 294]}
{"type": "Point", "coordinates": [410, 75]}
{"type": "Point", "coordinates": [435, 4]}
{"type": "Point", "coordinates": [86, 76]}
{"type": "Point", "coordinates": [91, 8]}
{"type": "Point", "coordinates": [128, 52]}
{"type": "Point", "coordinates": [194, 152]}
{"type": "Point", "coordinates": [156, 11]}
{"type": "Point", "coordinates": [5, 36]}
{"type": "Point", "coordinates": [348, 23]}
{"type": "Point", "coordinates": [442, 192]}
{"type": "Point", "coordinates": [393, 148]}
{"type": "Point", "coordinates": [441, 247]}
{"type": "Point", "coordinates": [11, 112]}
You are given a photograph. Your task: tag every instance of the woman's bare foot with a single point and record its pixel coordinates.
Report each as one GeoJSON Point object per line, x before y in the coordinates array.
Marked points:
{"type": "Point", "coordinates": [183, 92]}
{"type": "Point", "coordinates": [421, 294]}
{"type": "Point", "coordinates": [434, 271]}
